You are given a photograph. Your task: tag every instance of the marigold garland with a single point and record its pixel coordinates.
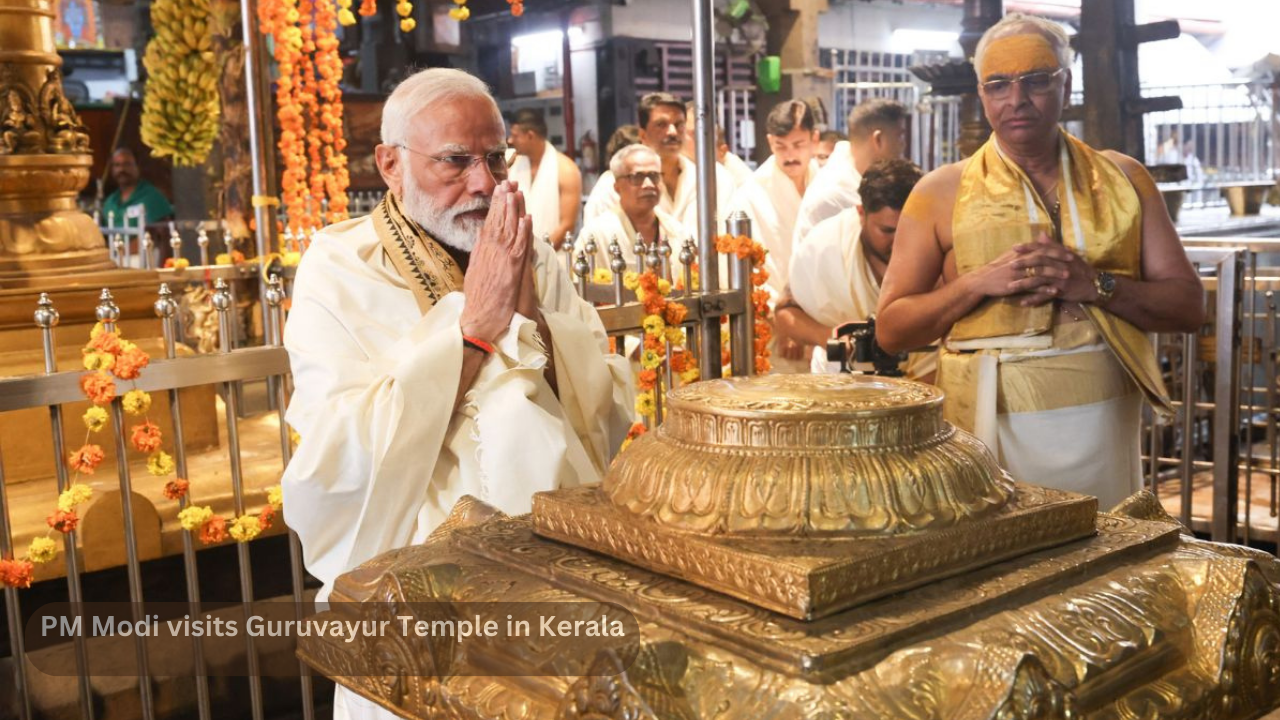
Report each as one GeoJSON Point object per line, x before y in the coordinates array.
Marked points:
{"type": "Point", "coordinates": [126, 361]}
{"type": "Point", "coordinates": [652, 292]}
{"type": "Point", "coordinates": [743, 247]}
{"type": "Point", "coordinates": [181, 107]}
{"type": "Point", "coordinates": [309, 107]}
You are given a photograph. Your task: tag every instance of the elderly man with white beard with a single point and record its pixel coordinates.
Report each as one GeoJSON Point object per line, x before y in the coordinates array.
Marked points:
{"type": "Point", "coordinates": [437, 349]}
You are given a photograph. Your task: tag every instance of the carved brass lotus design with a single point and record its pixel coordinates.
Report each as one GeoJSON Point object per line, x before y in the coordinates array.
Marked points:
{"type": "Point", "coordinates": [809, 455]}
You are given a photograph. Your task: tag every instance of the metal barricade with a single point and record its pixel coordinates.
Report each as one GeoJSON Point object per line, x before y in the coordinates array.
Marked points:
{"type": "Point", "coordinates": [53, 389]}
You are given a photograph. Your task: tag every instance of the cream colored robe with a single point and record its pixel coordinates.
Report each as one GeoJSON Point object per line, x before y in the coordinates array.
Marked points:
{"type": "Point", "coordinates": [738, 169]}
{"type": "Point", "coordinates": [771, 201]}
{"type": "Point", "coordinates": [682, 205]}
{"type": "Point", "coordinates": [541, 192]}
{"type": "Point", "coordinates": [832, 281]}
{"type": "Point", "coordinates": [383, 456]}
{"type": "Point", "coordinates": [834, 189]}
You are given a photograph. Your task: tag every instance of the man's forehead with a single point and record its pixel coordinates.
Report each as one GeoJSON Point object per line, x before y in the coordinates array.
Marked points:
{"type": "Point", "coordinates": [1013, 55]}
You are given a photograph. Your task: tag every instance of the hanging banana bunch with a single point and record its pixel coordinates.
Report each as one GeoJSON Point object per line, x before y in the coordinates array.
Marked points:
{"type": "Point", "coordinates": [180, 108]}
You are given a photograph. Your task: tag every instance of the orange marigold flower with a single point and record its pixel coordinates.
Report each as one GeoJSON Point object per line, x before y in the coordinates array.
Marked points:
{"type": "Point", "coordinates": [656, 344]}
{"type": "Point", "coordinates": [680, 361]}
{"type": "Point", "coordinates": [647, 379]}
{"type": "Point", "coordinates": [654, 304]}
{"type": "Point", "coordinates": [214, 530]}
{"type": "Point", "coordinates": [146, 437]}
{"type": "Point", "coordinates": [637, 429]}
{"type": "Point", "coordinates": [16, 573]}
{"type": "Point", "coordinates": [724, 244]}
{"type": "Point", "coordinates": [107, 342]}
{"type": "Point", "coordinates": [98, 387]}
{"type": "Point", "coordinates": [763, 365]}
{"type": "Point", "coordinates": [726, 358]}
{"type": "Point", "coordinates": [266, 517]}
{"type": "Point", "coordinates": [675, 313]}
{"type": "Point", "coordinates": [129, 363]}
{"type": "Point", "coordinates": [63, 522]}
{"type": "Point", "coordinates": [86, 459]}
{"type": "Point", "coordinates": [763, 331]}
{"type": "Point", "coordinates": [176, 489]}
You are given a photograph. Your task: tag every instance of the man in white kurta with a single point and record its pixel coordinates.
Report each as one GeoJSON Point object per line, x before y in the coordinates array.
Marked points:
{"type": "Point", "coordinates": [836, 271]}
{"type": "Point", "coordinates": [771, 201]}
{"type": "Point", "coordinates": [662, 128]}
{"type": "Point", "coordinates": [637, 173]}
{"type": "Point", "coordinates": [551, 182]}
{"type": "Point", "coordinates": [877, 131]}
{"type": "Point", "coordinates": [437, 349]}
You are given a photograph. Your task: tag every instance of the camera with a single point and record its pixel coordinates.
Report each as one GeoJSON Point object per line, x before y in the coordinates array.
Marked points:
{"type": "Point", "coordinates": [855, 347]}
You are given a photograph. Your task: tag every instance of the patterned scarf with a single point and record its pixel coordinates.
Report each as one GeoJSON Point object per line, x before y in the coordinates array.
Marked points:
{"type": "Point", "coordinates": [428, 269]}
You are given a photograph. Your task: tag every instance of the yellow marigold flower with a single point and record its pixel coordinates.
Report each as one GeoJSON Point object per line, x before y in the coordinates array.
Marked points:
{"type": "Point", "coordinates": [193, 517]}
{"type": "Point", "coordinates": [222, 259]}
{"type": "Point", "coordinates": [664, 287]}
{"type": "Point", "coordinates": [631, 280]}
{"type": "Point", "coordinates": [291, 258]}
{"type": "Point", "coordinates": [95, 418]}
{"type": "Point", "coordinates": [42, 550]}
{"type": "Point", "coordinates": [653, 325]}
{"type": "Point", "coordinates": [96, 331]}
{"type": "Point", "coordinates": [275, 496]}
{"type": "Point", "coordinates": [640, 294]}
{"type": "Point", "coordinates": [675, 335]}
{"type": "Point", "coordinates": [294, 438]}
{"type": "Point", "coordinates": [650, 360]}
{"type": "Point", "coordinates": [690, 375]}
{"type": "Point", "coordinates": [160, 463]}
{"type": "Point", "coordinates": [404, 9]}
{"type": "Point", "coordinates": [408, 24]}
{"type": "Point", "coordinates": [602, 276]}
{"type": "Point", "coordinates": [346, 17]}
{"type": "Point", "coordinates": [245, 528]}
{"type": "Point", "coordinates": [136, 402]}
{"type": "Point", "coordinates": [126, 346]}
{"type": "Point", "coordinates": [71, 497]}
{"type": "Point", "coordinates": [99, 361]}
{"type": "Point", "coordinates": [645, 404]}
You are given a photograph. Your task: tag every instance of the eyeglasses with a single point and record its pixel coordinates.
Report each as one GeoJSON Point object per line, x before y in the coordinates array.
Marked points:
{"type": "Point", "coordinates": [453, 167]}
{"type": "Point", "coordinates": [1036, 83]}
{"type": "Point", "coordinates": [637, 179]}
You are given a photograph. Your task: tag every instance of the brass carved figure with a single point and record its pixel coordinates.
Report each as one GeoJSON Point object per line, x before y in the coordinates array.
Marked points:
{"type": "Point", "coordinates": [1131, 619]}
{"type": "Point", "coordinates": [18, 131]}
{"type": "Point", "coordinates": [63, 130]}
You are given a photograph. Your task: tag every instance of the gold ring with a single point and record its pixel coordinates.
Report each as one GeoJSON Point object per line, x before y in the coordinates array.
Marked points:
{"type": "Point", "coordinates": [1030, 272]}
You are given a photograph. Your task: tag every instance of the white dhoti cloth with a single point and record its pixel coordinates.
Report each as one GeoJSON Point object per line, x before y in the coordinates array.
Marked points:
{"type": "Point", "coordinates": [1066, 418]}
{"type": "Point", "coordinates": [541, 191]}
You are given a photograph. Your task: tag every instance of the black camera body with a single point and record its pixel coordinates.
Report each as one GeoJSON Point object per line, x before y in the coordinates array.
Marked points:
{"type": "Point", "coordinates": [855, 344]}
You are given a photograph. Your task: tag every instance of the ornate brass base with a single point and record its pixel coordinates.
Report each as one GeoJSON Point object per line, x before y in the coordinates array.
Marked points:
{"type": "Point", "coordinates": [1136, 621]}
{"type": "Point", "coordinates": [808, 578]}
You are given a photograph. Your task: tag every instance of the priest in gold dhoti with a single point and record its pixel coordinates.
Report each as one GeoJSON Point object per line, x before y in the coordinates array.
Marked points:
{"type": "Point", "coordinates": [1055, 262]}
{"type": "Point", "coordinates": [438, 349]}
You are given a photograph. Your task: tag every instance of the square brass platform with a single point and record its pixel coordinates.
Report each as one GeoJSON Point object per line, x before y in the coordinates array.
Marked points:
{"type": "Point", "coordinates": [807, 578]}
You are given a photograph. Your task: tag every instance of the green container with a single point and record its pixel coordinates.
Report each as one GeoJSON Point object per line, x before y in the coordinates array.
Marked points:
{"type": "Point", "coordinates": [769, 74]}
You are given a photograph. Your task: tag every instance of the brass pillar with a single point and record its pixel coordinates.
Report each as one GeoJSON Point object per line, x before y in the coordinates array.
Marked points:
{"type": "Point", "coordinates": [44, 154]}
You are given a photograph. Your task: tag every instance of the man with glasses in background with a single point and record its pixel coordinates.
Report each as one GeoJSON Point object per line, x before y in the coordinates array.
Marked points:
{"type": "Point", "coordinates": [437, 349]}
{"type": "Point", "coordinates": [1043, 264]}
{"type": "Point", "coordinates": [637, 177]}
{"type": "Point", "coordinates": [661, 121]}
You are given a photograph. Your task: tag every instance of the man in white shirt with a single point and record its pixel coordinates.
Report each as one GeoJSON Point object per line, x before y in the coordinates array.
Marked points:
{"type": "Point", "coordinates": [772, 199]}
{"type": "Point", "coordinates": [637, 174]}
{"type": "Point", "coordinates": [661, 121]}
{"type": "Point", "coordinates": [836, 272]}
{"type": "Point", "coordinates": [551, 182]}
{"type": "Point", "coordinates": [827, 144]}
{"type": "Point", "coordinates": [437, 349]}
{"type": "Point", "coordinates": [877, 131]}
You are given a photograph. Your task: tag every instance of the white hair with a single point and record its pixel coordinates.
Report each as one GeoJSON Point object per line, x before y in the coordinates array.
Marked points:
{"type": "Point", "coordinates": [424, 89]}
{"type": "Point", "coordinates": [618, 163]}
{"type": "Point", "coordinates": [1020, 24]}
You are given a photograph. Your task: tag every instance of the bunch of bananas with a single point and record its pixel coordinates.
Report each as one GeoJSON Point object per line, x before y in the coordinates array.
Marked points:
{"type": "Point", "coordinates": [180, 110]}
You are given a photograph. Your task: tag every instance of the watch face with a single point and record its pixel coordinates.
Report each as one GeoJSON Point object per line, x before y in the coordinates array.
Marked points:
{"type": "Point", "coordinates": [1107, 281]}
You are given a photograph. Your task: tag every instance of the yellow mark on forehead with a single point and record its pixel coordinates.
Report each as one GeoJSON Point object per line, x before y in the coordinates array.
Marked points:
{"type": "Point", "coordinates": [1014, 55]}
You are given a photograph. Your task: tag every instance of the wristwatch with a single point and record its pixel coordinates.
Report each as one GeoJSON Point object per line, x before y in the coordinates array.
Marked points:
{"type": "Point", "coordinates": [1105, 284]}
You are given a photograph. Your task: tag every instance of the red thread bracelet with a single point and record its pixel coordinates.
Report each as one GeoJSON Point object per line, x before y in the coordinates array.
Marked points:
{"type": "Point", "coordinates": [477, 344]}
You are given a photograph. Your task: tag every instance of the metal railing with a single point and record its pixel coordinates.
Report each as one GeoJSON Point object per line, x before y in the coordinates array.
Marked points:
{"type": "Point", "coordinates": [52, 389]}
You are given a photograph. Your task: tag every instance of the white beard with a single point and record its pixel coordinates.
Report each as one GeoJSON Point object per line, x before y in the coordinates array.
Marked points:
{"type": "Point", "coordinates": [443, 224]}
